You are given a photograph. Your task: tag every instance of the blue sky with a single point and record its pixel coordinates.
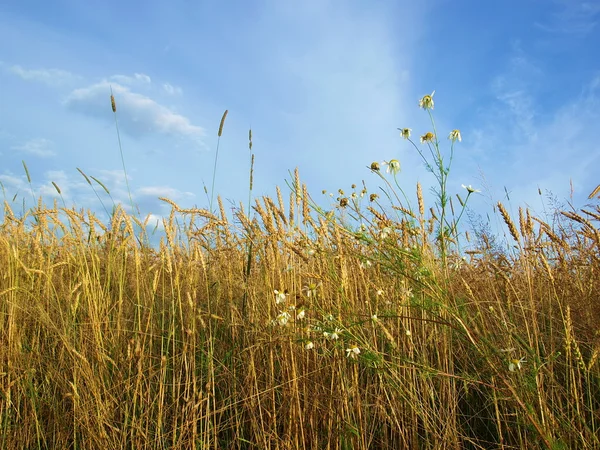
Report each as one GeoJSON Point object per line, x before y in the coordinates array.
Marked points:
{"type": "Point", "coordinates": [324, 85]}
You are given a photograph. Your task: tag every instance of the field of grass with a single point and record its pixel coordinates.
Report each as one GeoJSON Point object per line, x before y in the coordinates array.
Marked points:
{"type": "Point", "coordinates": [284, 326]}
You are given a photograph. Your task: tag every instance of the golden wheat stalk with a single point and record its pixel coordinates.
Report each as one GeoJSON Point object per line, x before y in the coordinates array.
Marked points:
{"type": "Point", "coordinates": [420, 200]}
{"type": "Point", "coordinates": [508, 221]}
{"type": "Point", "coordinates": [594, 192]}
{"type": "Point", "coordinates": [170, 202]}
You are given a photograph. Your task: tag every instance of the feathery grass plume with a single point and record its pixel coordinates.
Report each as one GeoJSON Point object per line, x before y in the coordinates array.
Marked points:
{"type": "Point", "coordinates": [84, 176]}
{"type": "Point", "coordinates": [251, 184]}
{"type": "Point", "coordinates": [223, 123]}
{"type": "Point", "coordinates": [508, 221]}
{"type": "Point", "coordinates": [30, 185]}
{"type": "Point", "coordinates": [212, 189]}
{"type": "Point", "coordinates": [250, 242]}
{"type": "Point", "coordinates": [56, 187]}
{"type": "Point", "coordinates": [101, 185]}
{"type": "Point", "coordinates": [26, 172]}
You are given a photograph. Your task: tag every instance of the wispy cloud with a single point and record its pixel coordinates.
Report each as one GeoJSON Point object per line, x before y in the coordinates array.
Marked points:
{"type": "Point", "coordinates": [574, 17]}
{"type": "Point", "coordinates": [147, 198]}
{"type": "Point", "coordinates": [172, 90]}
{"type": "Point", "coordinates": [163, 191]}
{"type": "Point", "coordinates": [51, 77]}
{"type": "Point", "coordinates": [138, 114]}
{"type": "Point", "coordinates": [515, 89]}
{"type": "Point", "coordinates": [537, 148]}
{"type": "Point", "coordinates": [12, 181]}
{"type": "Point", "coordinates": [39, 147]}
{"type": "Point", "coordinates": [137, 78]}
{"type": "Point", "coordinates": [154, 221]}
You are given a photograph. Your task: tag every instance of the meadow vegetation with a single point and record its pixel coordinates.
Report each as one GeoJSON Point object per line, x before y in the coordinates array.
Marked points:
{"type": "Point", "coordinates": [376, 324]}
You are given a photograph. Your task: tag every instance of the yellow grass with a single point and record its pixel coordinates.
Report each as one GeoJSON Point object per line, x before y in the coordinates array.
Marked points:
{"type": "Point", "coordinates": [105, 344]}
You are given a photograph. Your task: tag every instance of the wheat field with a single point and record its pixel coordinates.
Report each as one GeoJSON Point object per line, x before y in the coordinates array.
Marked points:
{"type": "Point", "coordinates": [284, 326]}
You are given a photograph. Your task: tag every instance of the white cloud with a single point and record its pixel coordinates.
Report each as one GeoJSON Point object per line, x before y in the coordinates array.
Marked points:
{"type": "Point", "coordinates": [12, 181]}
{"type": "Point", "coordinates": [39, 147]}
{"type": "Point", "coordinates": [172, 90]}
{"type": "Point", "coordinates": [154, 221]}
{"type": "Point", "coordinates": [138, 114]}
{"type": "Point", "coordinates": [51, 77]}
{"type": "Point", "coordinates": [163, 191]}
{"type": "Point", "coordinates": [62, 181]}
{"type": "Point", "coordinates": [143, 77]}
{"type": "Point", "coordinates": [137, 78]}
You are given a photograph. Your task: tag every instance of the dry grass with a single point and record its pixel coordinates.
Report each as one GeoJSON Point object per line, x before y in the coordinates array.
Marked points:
{"type": "Point", "coordinates": [290, 327]}
{"type": "Point", "coordinates": [109, 345]}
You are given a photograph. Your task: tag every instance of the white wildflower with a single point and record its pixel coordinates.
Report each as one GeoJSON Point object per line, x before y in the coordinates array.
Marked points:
{"type": "Point", "coordinates": [352, 352]}
{"type": "Point", "coordinates": [516, 364]}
